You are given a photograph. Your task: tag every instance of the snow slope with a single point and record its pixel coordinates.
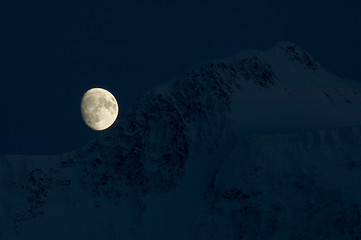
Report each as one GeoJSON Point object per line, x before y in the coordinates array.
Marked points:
{"type": "Point", "coordinates": [259, 145]}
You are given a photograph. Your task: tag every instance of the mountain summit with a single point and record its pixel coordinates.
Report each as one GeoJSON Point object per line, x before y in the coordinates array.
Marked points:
{"type": "Point", "coordinates": [259, 145]}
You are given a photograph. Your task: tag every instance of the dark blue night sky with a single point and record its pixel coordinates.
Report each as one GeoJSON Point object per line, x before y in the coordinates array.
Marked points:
{"type": "Point", "coordinates": [51, 53]}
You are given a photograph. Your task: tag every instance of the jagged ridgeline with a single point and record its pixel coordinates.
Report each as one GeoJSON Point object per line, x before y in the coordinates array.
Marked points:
{"type": "Point", "coordinates": [259, 145]}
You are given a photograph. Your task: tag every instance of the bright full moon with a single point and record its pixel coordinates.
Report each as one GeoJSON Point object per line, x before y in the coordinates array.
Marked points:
{"type": "Point", "coordinates": [99, 108]}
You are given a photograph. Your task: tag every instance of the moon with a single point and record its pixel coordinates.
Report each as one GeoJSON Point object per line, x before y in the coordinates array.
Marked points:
{"type": "Point", "coordinates": [99, 108]}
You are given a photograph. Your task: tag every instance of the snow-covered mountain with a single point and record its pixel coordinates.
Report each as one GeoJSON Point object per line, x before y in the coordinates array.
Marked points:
{"type": "Point", "coordinates": [260, 145]}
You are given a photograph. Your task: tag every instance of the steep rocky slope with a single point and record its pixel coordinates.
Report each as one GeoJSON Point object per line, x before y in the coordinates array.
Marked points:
{"type": "Point", "coordinates": [259, 145]}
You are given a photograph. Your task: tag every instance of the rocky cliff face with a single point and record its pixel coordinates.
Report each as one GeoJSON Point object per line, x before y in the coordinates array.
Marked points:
{"type": "Point", "coordinates": [254, 146]}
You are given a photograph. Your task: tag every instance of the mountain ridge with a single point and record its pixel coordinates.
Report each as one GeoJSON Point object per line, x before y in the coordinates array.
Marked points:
{"type": "Point", "coordinates": [176, 142]}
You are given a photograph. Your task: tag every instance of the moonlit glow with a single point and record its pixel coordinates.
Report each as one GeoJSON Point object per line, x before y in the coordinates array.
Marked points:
{"type": "Point", "coordinates": [99, 108]}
